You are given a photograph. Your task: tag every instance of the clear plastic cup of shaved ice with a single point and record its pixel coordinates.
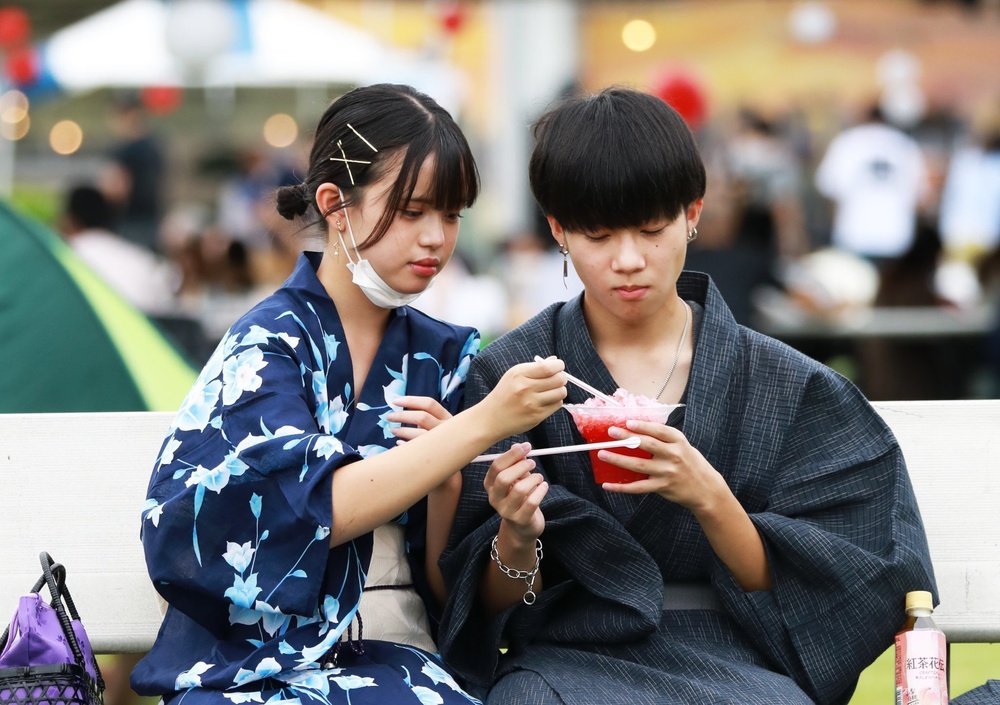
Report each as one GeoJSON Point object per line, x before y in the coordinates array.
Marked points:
{"type": "Point", "coordinates": [593, 422]}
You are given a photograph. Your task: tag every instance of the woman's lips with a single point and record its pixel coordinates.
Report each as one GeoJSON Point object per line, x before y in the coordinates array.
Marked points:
{"type": "Point", "coordinates": [426, 267]}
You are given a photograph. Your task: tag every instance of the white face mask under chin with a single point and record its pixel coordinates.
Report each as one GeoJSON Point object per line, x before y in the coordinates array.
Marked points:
{"type": "Point", "coordinates": [363, 274]}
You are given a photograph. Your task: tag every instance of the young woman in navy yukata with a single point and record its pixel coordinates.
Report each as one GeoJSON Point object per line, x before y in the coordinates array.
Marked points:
{"type": "Point", "coordinates": [307, 485]}
{"type": "Point", "coordinates": [766, 557]}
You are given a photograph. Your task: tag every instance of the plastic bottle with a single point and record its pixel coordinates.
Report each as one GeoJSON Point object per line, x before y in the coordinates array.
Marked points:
{"type": "Point", "coordinates": [921, 655]}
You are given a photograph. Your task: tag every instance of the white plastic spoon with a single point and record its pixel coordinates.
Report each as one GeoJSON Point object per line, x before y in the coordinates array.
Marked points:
{"type": "Point", "coordinates": [632, 442]}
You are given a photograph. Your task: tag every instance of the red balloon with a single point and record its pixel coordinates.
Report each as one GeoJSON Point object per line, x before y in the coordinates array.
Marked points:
{"type": "Point", "coordinates": [453, 17]}
{"type": "Point", "coordinates": [15, 26]}
{"type": "Point", "coordinates": [685, 96]}
{"type": "Point", "coordinates": [161, 100]}
{"type": "Point", "coordinates": [22, 66]}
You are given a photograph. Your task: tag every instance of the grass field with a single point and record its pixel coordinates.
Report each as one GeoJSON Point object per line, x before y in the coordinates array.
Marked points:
{"type": "Point", "coordinates": [971, 666]}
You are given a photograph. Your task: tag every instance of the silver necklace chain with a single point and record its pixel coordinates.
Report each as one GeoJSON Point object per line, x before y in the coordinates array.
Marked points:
{"type": "Point", "coordinates": [680, 346]}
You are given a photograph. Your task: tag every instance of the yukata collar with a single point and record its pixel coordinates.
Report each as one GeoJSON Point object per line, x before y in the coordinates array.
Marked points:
{"type": "Point", "coordinates": [716, 355]}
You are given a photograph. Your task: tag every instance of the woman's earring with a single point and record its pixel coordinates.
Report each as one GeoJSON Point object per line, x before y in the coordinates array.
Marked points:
{"type": "Point", "coordinates": [564, 251]}
{"type": "Point", "coordinates": [336, 245]}
{"type": "Point", "coordinates": [692, 234]}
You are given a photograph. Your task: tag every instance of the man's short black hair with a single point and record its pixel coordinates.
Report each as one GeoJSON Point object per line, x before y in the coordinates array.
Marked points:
{"type": "Point", "coordinates": [617, 159]}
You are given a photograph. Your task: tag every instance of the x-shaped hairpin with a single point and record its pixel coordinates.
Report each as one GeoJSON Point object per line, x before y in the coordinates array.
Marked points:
{"type": "Point", "coordinates": [343, 155]}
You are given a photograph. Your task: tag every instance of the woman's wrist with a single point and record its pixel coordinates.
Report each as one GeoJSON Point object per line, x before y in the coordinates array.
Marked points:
{"type": "Point", "coordinates": [481, 420]}
{"type": "Point", "coordinates": [473, 425]}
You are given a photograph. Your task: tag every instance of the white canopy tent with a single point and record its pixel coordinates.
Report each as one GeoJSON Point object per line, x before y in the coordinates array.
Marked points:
{"type": "Point", "coordinates": [257, 43]}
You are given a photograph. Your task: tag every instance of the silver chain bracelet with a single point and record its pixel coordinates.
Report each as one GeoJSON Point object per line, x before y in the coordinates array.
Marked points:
{"type": "Point", "coordinates": [528, 576]}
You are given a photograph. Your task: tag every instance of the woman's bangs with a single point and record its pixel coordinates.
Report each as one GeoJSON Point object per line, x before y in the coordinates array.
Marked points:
{"type": "Point", "coordinates": [456, 179]}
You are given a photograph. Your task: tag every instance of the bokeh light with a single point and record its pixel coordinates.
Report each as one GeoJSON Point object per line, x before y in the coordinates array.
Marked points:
{"type": "Point", "coordinates": [15, 130]}
{"type": "Point", "coordinates": [13, 107]}
{"type": "Point", "coordinates": [280, 130]}
{"type": "Point", "coordinates": [65, 137]}
{"type": "Point", "coordinates": [812, 22]}
{"type": "Point", "coordinates": [15, 26]}
{"type": "Point", "coordinates": [638, 35]}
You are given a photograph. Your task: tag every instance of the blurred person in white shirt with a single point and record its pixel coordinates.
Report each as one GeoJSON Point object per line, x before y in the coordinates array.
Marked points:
{"type": "Point", "coordinates": [970, 201]}
{"type": "Point", "coordinates": [877, 177]}
{"type": "Point", "coordinates": [144, 279]}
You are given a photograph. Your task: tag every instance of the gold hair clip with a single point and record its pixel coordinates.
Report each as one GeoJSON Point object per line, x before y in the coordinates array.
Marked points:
{"type": "Point", "coordinates": [347, 162]}
{"type": "Point", "coordinates": [343, 155]}
{"type": "Point", "coordinates": [370, 145]}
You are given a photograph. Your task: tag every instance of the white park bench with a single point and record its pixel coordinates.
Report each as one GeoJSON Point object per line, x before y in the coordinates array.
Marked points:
{"type": "Point", "coordinates": [73, 485]}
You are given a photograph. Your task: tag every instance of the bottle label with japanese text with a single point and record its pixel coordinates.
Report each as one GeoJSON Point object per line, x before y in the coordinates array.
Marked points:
{"type": "Point", "coordinates": [921, 668]}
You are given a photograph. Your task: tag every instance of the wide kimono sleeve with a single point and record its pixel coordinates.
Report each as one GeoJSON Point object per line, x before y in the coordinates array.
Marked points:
{"type": "Point", "coordinates": [844, 540]}
{"type": "Point", "coordinates": [239, 507]}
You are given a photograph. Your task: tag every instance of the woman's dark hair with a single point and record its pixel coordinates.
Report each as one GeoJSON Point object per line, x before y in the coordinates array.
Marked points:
{"type": "Point", "coordinates": [617, 159]}
{"type": "Point", "coordinates": [406, 127]}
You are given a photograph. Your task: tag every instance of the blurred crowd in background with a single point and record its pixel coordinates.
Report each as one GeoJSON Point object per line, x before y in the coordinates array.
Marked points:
{"type": "Point", "coordinates": [892, 200]}
{"type": "Point", "coordinates": [879, 216]}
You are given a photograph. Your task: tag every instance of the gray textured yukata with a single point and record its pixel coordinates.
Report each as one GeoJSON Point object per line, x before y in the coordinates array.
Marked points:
{"type": "Point", "coordinates": [820, 475]}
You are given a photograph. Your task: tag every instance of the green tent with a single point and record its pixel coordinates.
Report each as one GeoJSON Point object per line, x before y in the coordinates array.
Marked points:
{"type": "Point", "coordinates": [68, 342]}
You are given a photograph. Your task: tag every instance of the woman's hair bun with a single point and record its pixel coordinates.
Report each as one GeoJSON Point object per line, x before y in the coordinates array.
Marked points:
{"type": "Point", "coordinates": [290, 201]}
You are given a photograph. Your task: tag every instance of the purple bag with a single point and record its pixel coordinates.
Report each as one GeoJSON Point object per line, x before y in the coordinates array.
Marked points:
{"type": "Point", "coordinates": [45, 655]}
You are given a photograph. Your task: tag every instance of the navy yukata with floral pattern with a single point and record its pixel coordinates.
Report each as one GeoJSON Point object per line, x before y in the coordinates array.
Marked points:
{"type": "Point", "coordinates": [237, 521]}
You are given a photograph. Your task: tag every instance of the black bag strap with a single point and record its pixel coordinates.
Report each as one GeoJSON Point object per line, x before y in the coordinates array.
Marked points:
{"type": "Point", "coordinates": [54, 577]}
{"type": "Point", "coordinates": [57, 590]}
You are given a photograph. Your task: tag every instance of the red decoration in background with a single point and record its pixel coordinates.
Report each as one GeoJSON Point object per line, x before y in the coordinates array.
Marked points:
{"type": "Point", "coordinates": [685, 95]}
{"type": "Point", "coordinates": [452, 17]}
{"type": "Point", "coordinates": [15, 26]}
{"type": "Point", "coordinates": [161, 100]}
{"type": "Point", "coordinates": [22, 66]}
